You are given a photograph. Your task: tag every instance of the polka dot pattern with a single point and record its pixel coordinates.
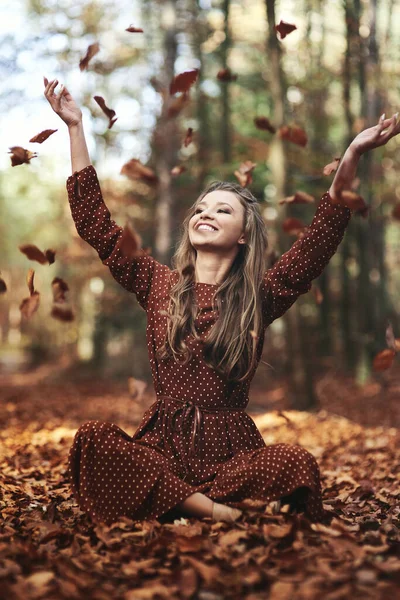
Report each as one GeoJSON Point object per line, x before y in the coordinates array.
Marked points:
{"type": "Point", "coordinates": [196, 436]}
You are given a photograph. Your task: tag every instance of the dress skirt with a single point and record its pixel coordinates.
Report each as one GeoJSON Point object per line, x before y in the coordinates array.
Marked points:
{"type": "Point", "coordinates": [146, 475]}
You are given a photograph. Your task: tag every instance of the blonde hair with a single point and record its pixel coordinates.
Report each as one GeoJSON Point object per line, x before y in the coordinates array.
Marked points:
{"type": "Point", "coordinates": [230, 348]}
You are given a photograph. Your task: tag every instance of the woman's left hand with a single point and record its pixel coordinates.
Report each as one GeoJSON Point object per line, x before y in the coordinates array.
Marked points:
{"type": "Point", "coordinates": [373, 137]}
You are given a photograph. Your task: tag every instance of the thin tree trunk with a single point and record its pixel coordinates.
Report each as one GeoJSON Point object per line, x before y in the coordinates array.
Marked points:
{"type": "Point", "coordinates": [226, 137]}
{"type": "Point", "coordinates": [299, 370]}
{"type": "Point", "coordinates": [204, 133]}
{"type": "Point", "coordinates": [166, 142]}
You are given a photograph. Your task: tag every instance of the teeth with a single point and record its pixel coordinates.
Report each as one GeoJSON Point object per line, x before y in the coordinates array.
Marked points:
{"type": "Point", "coordinates": [207, 227]}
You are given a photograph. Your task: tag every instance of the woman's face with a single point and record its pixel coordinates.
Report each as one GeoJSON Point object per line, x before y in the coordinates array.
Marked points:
{"type": "Point", "coordinates": [223, 211]}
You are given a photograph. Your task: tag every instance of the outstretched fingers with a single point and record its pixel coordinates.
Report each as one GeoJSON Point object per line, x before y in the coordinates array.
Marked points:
{"type": "Point", "coordinates": [392, 125]}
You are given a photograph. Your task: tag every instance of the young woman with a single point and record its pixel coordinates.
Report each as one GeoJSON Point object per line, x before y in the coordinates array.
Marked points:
{"type": "Point", "coordinates": [197, 452]}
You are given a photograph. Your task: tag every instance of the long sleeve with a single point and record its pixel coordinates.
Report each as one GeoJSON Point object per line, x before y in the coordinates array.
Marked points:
{"type": "Point", "coordinates": [293, 273]}
{"type": "Point", "coordinates": [94, 225]}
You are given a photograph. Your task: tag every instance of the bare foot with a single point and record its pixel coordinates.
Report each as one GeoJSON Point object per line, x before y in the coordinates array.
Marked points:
{"type": "Point", "coordinates": [221, 512]}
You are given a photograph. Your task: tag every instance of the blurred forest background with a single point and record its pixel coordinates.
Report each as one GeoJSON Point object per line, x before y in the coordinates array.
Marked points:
{"type": "Point", "coordinates": [333, 76]}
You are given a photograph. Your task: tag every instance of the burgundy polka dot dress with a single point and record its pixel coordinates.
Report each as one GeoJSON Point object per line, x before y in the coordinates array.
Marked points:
{"type": "Point", "coordinates": [197, 436]}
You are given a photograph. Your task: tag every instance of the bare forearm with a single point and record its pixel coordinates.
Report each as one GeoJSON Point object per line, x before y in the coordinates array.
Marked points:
{"type": "Point", "coordinates": [79, 152]}
{"type": "Point", "coordinates": [346, 173]}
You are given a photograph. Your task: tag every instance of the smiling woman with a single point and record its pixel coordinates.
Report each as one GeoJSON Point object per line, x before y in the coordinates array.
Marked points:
{"type": "Point", "coordinates": [196, 446]}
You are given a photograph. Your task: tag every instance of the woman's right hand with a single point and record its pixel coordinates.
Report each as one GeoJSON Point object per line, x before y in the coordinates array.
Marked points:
{"type": "Point", "coordinates": [63, 104]}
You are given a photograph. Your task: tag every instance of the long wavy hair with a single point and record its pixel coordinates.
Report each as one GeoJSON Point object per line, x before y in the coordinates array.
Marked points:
{"type": "Point", "coordinates": [230, 347]}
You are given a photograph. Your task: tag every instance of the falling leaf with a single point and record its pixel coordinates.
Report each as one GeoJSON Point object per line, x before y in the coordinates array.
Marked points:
{"type": "Point", "coordinates": [130, 244]}
{"type": "Point", "coordinates": [3, 286]}
{"type": "Point", "coordinates": [137, 388]}
{"type": "Point", "coordinates": [284, 28]}
{"type": "Point", "coordinates": [30, 305]}
{"type": "Point", "coordinates": [33, 253]}
{"type": "Point", "coordinates": [226, 75]}
{"type": "Point", "coordinates": [183, 82]}
{"type": "Point", "coordinates": [62, 312]}
{"type": "Point", "coordinates": [293, 134]}
{"type": "Point", "coordinates": [188, 138]}
{"type": "Point", "coordinates": [135, 170]}
{"type": "Point", "coordinates": [396, 211]}
{"type": "Point", "coordinates": [59, 287]}
{"type": "Point", "coordinates": [332, 166]}
{"type": "Point", "coordinates": [50, 255]}
{"type": "Point", "coordinates": [43, 135]}
{"type": "Point", "coordinates": [293, 226]}
{"type": "Point", "coordinates": [264, 123]}
{"type": "Point", "coordinates": [30, 276]}
{"type": "Point", "coordinates": [20, 155]}
{"type": "Point", "coordinates": [92, 50]}
{"type": "Point", "coordinates": [353, 201]}
{"type": "Point", "coordinates": [244, 174]}
{"type": "Point", "coordinates": [133, 29]}
{"type": "Point", "coordinates": [177, 105]}
{"type": "Point", "coordinates": [298, 198]}
{"type": "Point", "coordinates": [383, 360]}
{"type": "Point", "coordinates": [109, 112]}
{"type": "Point", "coordinates": [317, 293]}
{"type": "Point", "coordinates": [175, 171]}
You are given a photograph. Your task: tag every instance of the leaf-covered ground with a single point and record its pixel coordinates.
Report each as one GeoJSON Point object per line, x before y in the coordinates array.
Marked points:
{"type": "Point", "coordinates": [50, 549]}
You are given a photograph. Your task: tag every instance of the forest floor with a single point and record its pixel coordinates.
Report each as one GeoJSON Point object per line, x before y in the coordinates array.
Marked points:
{"type": "Point", "coordinates": [50, 549]}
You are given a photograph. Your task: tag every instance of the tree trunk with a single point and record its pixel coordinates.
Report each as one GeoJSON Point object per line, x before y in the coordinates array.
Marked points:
{"type": "Point", "coordinates": [226, 137]}
{"type": "Point", "coordinates": [302, 394]}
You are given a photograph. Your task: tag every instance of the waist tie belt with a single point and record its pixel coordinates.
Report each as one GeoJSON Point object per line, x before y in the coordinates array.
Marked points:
{"type": "Point", "coordinates": [187, 408]}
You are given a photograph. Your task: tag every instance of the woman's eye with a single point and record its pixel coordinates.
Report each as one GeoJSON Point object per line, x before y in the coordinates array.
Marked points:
{"type": "Point", "coordinates": [220, 210]}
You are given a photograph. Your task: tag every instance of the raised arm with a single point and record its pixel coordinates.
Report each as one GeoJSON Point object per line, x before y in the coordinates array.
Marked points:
{"type": "Point", "coordinates": [94, 225]}
{"type": "Point", "coordinates": [89, 212]}
{"type": "Point", "coordinates": [293, 273]}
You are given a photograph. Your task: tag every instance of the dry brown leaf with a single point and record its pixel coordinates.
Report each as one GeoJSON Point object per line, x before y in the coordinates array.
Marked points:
{"type": "Point", "coordinates": [92, 50]}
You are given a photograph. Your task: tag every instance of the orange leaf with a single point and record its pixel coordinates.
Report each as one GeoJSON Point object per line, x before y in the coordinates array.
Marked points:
{"type": "Point", "coordinates": [353, 201]}
{"type": "Point", "coordinates": [59, 288]}
{"type": "Point", "coordinates": [29, 280]}
{"type": "Point", "coordinates": [292, 226]}
{"type": "Point", "coordinates": [20, 155]}
{"type": "Point", "coordinates": [264, 123]}
{"type": "Point", "coordinates": [62, 312]}
{"type": "Point", "coordinates": [284, 28]}
{"type": "Point", "coordinates": [131, 242]}
{"type": "Point", "coordinates": [298, 198]}
{"type": "Point", "coordinates": [43, 135]}
{"type": "Point", "coordinates": [293, 134]}
{"type": "Point", "coordinates": [33, 253]}
{"type": "Point", "coordinates": [50, 255]}
{"type": "Point", "coordinates": [30, 305]}
{"type": "Point", "coordinates": [92, 50]}
{"type": "Point", "coordinates": [183, 82]}
{"type": "Point", "coordinates": [244, 174]}
{"type": "Point", "coordinates": [132, 29]}
{"type": "Point", "coordinates": [134, 169]}
{"type": "Point", "coordinates": [332, 166]}
{"type": "Point", "coordinates": [383, 360]}
{"type": "Point", "coordinates": [109, 112]}
{"type": "Point", "coordinates": [226, 75]}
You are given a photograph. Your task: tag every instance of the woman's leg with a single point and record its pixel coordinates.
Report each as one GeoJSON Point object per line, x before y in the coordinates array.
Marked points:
{"type": "Point", "coordinates": [199, 505]}
{"type": "Point", "coordinates": [196, 505]}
